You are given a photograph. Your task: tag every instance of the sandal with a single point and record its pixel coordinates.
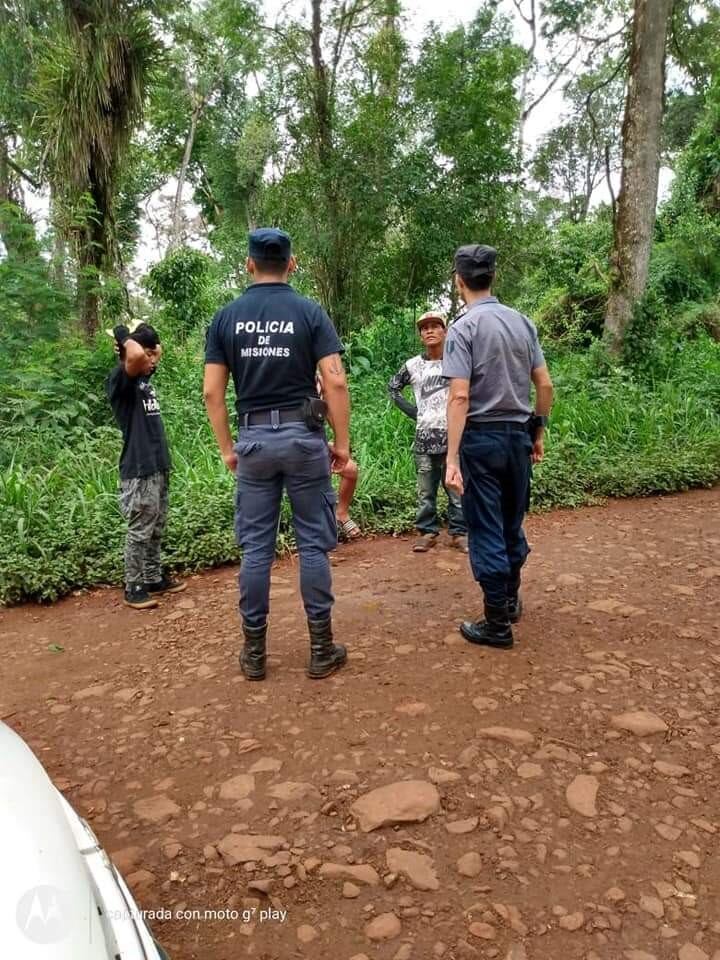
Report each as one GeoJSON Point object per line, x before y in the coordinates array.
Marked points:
{"type": "Point", "coordinates": [349, 530]}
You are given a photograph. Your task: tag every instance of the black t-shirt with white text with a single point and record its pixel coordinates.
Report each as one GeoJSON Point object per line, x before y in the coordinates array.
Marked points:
{"type": "Point", "coordinates": [137, 411]}
{"type": "Point", "coordinates": [271, 339]}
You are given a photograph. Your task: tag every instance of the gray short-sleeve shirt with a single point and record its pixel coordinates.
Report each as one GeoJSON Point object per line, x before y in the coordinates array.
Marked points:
{"type": "Point", "coordinates": [496, 349]}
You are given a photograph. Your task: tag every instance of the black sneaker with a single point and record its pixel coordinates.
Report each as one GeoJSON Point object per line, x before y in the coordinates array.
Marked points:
{"type": "Point", "coordinates": [138, 597]}
{"type": "Point", "coordinates": [166, 585]}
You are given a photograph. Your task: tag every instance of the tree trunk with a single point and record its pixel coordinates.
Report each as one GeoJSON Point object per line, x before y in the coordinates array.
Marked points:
{"type": "Point", "coordinates": [330, 256]}
{"type": "Point", "coordinates": [189, 143]}
{"type": "Point", "coordinates": [640, 167]}
{"type": "Point", "coordinates": [94, 242]}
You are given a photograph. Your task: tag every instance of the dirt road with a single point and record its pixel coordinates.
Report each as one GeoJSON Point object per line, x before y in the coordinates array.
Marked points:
{"type": "Point", "coordinates": [562, 798]}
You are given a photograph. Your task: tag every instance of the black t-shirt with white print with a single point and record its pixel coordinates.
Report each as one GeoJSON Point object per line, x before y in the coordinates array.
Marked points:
{"type": "Point", "coordinates": [137, 411]}
{"type": "Point", "coordinates": [271, 340]}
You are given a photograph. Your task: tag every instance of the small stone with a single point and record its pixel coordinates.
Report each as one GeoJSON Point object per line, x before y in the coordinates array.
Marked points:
{"type": "Point", "coordinates": [156, 810]}
{"type": "Point", "coordinates": [689, 857]}
{"type": "Point", "coordinates": [690, 952]}
{"type": "Point", "coordinates": [412, 709]}
{"type": "Point", "coordinates": [615, 895]}
{"type": "Point", "coordinates": [484, 704]}
{"type": "Point", "coordinates": [350, 891]}
{"type": "Point", "coordinates": [266, 765]}
{"type": "Point", "coordinates": [439, 775]}
{"type": "Point", "coordinates": [262, 886]}
{"type": "Point", "coordinates": [581, 795]}
{"type": "Point", "coordinates": [384, 927]}
{"type": "Point", "coordinates": [344, 777]}
{"type": "Point", "coordinates": [462, 826]}
{"type": "Point", "coordinates": [407, 801]}
{"type": "Point", "coordinates": [702, 824]}
{"type": "Point", "coordinates": [470, 865]}
{"type": "Point", "coordinates": [238, 788]}
{"type": "Point", "coordinates": [484, 931]}
{"type": "Point", "coordinates": [667, 832]}
{"type": "Point", "coordinates": [507, 735]}
{"type": "Point", "coordinates": [98, 690]}
{"type": "Point", "coordinates": [404, 953]}
{"type": "Point", "coordinates": [247, 848]}
{"type": "Point", "coordinates": [417, 868]}
{"type": "Point", "coordinates": [529, 771]}
{"type": "Point", "coordinates": [360, 873]}
{"type": "Point", "coordinates": [670, 769]}
{"type": "Point", "coordinates": [572, 921]}
{"type": "Point", "coordinates": [638, 955]}
{"type": "Point", "coordinates": [291, 791]}
{"type": "Point", "coordinates": [653, 906]}
{"type": "Point", "coordinates": [141, 879]}
{"type": "Point", "coordinates": [516, 951]}
{"type": "Point", "coordinates": [642, 723]}
{"type": "Point", "coordinates": [306, 933]}
{"type": "Point", "coordinates": [127, 858]}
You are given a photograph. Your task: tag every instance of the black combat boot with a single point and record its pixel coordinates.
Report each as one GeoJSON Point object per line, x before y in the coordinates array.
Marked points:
{"type": "Point", "coordinates": [515, 604]}
{"type": "Point", "coordinates": [252, 657]}
{"type": "Point", "coordinates": [493, 631]}
{"type": "Point", "coordinates": [325, 656]}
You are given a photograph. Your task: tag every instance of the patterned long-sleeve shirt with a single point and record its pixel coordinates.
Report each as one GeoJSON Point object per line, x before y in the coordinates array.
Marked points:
{"type": "Point", "coordinates": [430, 407]}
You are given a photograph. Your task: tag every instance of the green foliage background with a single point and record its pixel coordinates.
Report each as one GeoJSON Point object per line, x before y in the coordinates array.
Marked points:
{"type": "Point", "coordinates": [614, 433]}
{"type": "Point", "coordinates": [380, 158]}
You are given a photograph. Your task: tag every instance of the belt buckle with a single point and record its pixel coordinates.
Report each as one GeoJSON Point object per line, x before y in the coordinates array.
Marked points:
{"type": "Point", "coordinates": [275, 419]}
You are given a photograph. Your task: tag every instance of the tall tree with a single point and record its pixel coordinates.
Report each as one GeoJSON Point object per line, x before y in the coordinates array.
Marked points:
{"type": "Point", "coordinates": [641, 133]}
{"type": "Point", "coordinates": [215, 50]}
{"type": "Point", "coordinates": [335, 90]}
{"type": "Point", "coordinates": [574, 158]}
{"type": "Point", "coordinates": [91, 91]}
{"type": "Point", "coordinates": [458, 178]}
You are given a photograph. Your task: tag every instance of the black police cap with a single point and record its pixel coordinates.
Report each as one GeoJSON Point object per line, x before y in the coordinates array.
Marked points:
{"type": "Point", "coordinates": [475, 260]}
{"type": "Point", "coordinates": [269, 243]}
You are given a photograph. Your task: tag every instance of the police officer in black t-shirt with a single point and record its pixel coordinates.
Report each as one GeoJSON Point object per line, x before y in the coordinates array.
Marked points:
{"type": "Point", "coordinates": [272, 340]}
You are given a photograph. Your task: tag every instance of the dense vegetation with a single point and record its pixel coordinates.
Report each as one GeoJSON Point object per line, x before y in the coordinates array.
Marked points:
{"type": "Point", "coordinates": [380, 158]}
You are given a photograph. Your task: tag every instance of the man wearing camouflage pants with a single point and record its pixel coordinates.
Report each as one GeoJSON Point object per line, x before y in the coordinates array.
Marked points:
{"type": "Point", "coordinates": [144, 464]}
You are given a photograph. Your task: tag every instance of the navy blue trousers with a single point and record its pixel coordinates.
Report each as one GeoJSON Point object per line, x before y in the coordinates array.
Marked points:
{"type": "Point", "coordinates": [496, 470]}
{"type": "Point", "coordinates": [297, 460]}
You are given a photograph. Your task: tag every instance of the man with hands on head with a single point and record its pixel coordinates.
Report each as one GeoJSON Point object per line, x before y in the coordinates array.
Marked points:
{"type": "Point", "coordinates": [144, 463]}
{"type": "Point", "coordinates": [492, 356]}
{"type": "Point", "coordinates": [271, 341]}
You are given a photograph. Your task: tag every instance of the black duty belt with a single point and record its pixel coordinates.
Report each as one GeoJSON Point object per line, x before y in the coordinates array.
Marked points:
{"type": "Point", "coordinates": [497, 426]}
{"type": "Point", "coordinates": [259, 418]}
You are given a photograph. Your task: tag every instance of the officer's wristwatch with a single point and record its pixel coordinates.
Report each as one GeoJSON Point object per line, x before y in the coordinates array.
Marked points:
{"type": "Point", "coordinates": [540, 421]}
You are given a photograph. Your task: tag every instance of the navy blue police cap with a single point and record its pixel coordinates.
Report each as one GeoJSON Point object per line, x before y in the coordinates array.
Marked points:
{"type": "Point", "coordinates": [475, 260]}
{"type": "Point", "coordinates": [269, 243]}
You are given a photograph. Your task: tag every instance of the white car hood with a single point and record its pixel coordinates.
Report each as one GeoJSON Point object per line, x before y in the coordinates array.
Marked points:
{"type": "Point", "coordinates": [48, 909]}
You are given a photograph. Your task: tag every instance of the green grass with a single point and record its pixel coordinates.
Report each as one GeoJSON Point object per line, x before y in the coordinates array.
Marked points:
{"type": "Point", "coordinates": [611, 435]}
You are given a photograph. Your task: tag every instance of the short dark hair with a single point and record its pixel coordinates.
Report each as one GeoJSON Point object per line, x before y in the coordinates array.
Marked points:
{"type": "Point", "coordinates": [481, 282]}
{"type": "Point", "coordinates": [146, 336]}
{"type": "Point", "coordinates": [274, 268]}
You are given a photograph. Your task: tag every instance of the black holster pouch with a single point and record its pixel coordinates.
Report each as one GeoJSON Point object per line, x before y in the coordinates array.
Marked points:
{"type": "Point", "coordinates": [314, 411]}
{"type": "Point", "coordinates": [533, 426]}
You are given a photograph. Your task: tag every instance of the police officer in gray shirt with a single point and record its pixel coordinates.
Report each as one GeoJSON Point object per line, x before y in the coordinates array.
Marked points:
{"type": "Point", "coordinates": [492, 355]}
{"type": "Point", "coordinates": [272, 340]}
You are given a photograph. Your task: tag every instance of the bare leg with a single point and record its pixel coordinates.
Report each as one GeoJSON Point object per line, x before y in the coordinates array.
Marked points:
{"type": "Point", "coordinates": [348, 483]}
